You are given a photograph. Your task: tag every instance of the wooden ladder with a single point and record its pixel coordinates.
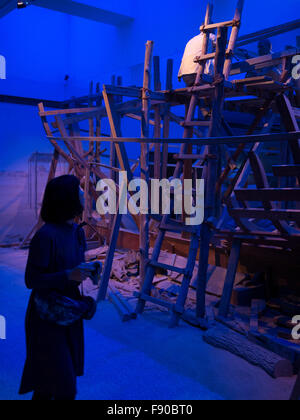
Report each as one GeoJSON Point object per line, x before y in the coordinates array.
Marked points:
{"type": "Point", "coordinates": [223, 60]}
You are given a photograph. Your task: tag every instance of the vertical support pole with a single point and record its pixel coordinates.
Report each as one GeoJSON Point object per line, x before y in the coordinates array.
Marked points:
{"type": "Point", "coordinates": [125, 166]}
{"type": "Point", "coordinates": [87, 202]}
{"type": "Point", "coordinates": [212, 170]}
{"type": "Point", "coordinates": [166, 128]}
{"type": "Point", "coordinates": [144, 219]}
{"type": "Point", "coordinates": [296, 391]}
{"type": "Point", "coordinates": [290, 123]}
{"type": "Point", "coordinates": [233, 37]}
{"type": "Point", "coordinates": [113, 152]}
{"type": "Point", "coordinates": [157, 113]}
{"type": "Point", "coordinates": [36, 184]}
{"type": "Point", "coordinates": [91, 121]}
{"type": "Point", "coordinates": [98, 125]}
{"type": "Point", "coordinates": [230, 278]}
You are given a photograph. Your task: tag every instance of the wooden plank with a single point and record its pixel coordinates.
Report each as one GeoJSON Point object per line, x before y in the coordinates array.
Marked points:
{"type": "Point", "coordinates": [263, 239]}
{"type": "Point", "coordinates": [167, 267]}
{"type": "Point", "coordinates": [271, 194]}
{"type": "Point", "coordinates": [121, 304]}
{"type": "Point", "coordinates": [263, 61]}
{"type": "Point", "coordinates": [139, 118]}
{"type": "Point", "coordinates": [178, 120]}
{"type": "Point", "coordinates": [296, 112]}
{"type": "Point", "coordinates": [133, 92]}
{"type": "Point", "coordinates": [195, 123]}
{"type": "Point", "coordinates": [290, 123]}
{"type": "Point", "coordinates": [145, 297]}
{"type": "Point", "coordinates": [122, 108]}
{"type": "Point", "coordinates": [296, 391]}
{"type": "Point", "coordinates": [189, 157]}
{"type": "Point", "coordinates": [20, 100]}
{"type": "Point", "coordinates": [211, 26]}
{"type": "Point", "coordinates": [273, 215]}
{"type": "Point", "coordinates": [250, 139]}
{"type": "Point", "coordinates": [257, 306]}
{"type": "Point", "coordinates": [157, 113]}
{"type": "Point", "coordinates": [166, 121]}
{"type": "Point", "coordinates": [259, 234]}
{"type": "Point", "coordinates": [144, 161]}
{"type": "Point", "coordinates": [125, 166]}
{"type": "Point", "coordinates": [230, 278]}
{"type": "Point", "coordinates": [69, 111]}
{"type": "Point", "coordinates": [286, 170]}
{"type": "Point", "coordinates": [211, 197]}
{"type": "Point", "coordinates": [268, 32]}
{"type": "Point", "coordinates": [233, 38]}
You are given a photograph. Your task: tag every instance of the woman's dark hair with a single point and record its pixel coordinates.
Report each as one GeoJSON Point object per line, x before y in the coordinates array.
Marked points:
{"type": "Point", "coordinates": [61, 200]}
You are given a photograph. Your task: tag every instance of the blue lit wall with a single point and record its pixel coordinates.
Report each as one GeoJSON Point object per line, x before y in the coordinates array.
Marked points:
{"type": "Point", "coordinates": [261, 14]}
{"type": "Point", "coordinates": [42, 46]}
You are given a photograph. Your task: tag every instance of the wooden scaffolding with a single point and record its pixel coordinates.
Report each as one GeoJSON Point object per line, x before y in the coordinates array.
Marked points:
{"type": "Point", "coordinates": [268, 112]}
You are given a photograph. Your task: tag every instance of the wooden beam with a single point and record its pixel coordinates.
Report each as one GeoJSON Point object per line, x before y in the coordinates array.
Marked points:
{"type": "Point", "coordinates": [271, 194]}
{"type": "Point", "coordinates": [85, 11]}
{"type": "Point", "coordinates": [21, 100]}
{"type": "Point", "coordinates": [145, 133]}
{"type": "Point", "coordinates": [256, 138]}
{"type": "Point", "coordinates": [262, 61]}
{"type": "Point", "coordinates": [286, 170]}
{"type": "Point", "coordinates": [268, 32]}
{"type": "Point", "coordinates": [274, 214]}
{"type": "Point", "coordinates": [7, 7]}
{"type": "Point", "coordinates": [290, 123]}
{"type": "Point", "coordinates": [233, 37]}
{"type": "Point", "coordinates": [230, 278]}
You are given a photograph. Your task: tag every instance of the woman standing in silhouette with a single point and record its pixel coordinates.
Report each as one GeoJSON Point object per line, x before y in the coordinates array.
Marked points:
{"type": "Point", "coordinates": [55, 353]}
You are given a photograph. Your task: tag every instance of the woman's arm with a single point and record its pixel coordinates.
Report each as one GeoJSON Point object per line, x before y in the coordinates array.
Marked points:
{"type": "Point", "coordinates": [37, 275]}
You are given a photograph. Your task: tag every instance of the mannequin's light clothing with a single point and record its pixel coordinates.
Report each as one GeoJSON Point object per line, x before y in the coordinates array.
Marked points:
{"type": "Point", "coordinates": [193, 50]}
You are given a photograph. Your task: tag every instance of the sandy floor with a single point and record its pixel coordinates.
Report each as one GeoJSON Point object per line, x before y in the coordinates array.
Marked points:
{"type": "Point", "coordinates": [142, 359]}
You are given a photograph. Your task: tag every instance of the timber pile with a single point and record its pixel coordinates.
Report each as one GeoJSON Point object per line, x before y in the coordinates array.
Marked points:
{"type": "Point", "coordinates": [125, 277]}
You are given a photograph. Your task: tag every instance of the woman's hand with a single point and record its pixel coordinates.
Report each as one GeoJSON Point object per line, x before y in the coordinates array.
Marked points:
{"type": "Point", "coordinates": [78, 274]}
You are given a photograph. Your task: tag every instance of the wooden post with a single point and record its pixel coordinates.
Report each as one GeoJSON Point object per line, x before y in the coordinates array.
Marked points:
{"type": "Point", "coordinates": [166, 128]}
{"type": "Point", "coordinates": [290, 123]}
{"type": "Point", "coordinates": [212, 170]}
{"type": "Point", "coordinates": [230, 278]}
{"type": "Point", "coordinates": [296, 391]}
{"type": "Point", "coordinates": [233, 38]}
{"type": "Point", "coordinates": [98, 125]}
{"type": "Point", "coordinates": [144, 219]}
{"type": "Point", "coordinates": [157, 112]}
{"type": "Point", "coordinates": [125, 166]}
